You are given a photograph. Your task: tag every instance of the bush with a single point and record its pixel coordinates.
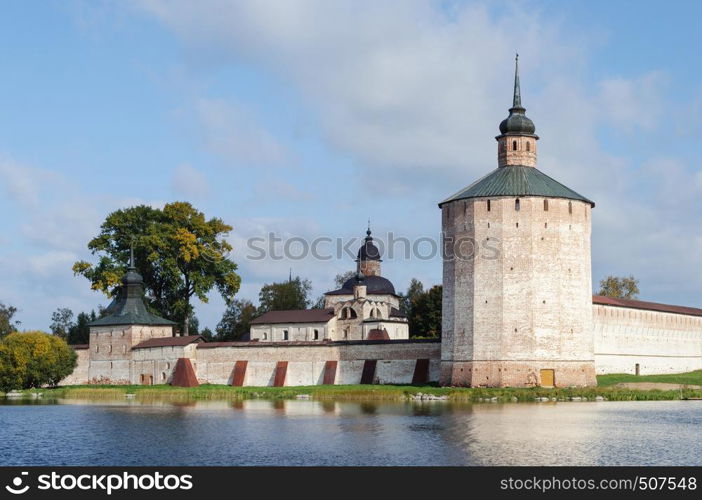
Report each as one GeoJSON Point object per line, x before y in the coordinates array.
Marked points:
{"type": "Point", "coordinates": [34, 359]}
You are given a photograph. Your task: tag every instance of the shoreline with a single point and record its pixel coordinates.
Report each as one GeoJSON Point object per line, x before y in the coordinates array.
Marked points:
{"type": "Point", "coordinates": [357, 393]}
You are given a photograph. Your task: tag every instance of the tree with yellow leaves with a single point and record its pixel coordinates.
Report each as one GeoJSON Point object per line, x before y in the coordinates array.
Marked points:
{"type": "Point", "coordinates": [179, 253]}
{"type": "Point", "coordinates": [34, 359]}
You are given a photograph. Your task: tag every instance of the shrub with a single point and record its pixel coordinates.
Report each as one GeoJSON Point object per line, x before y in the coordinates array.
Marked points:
{"type": "Point", "coordinates": [34, 359]}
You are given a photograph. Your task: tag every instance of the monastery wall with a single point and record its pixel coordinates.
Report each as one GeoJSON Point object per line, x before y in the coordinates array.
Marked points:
{"type": "Point", "coordinates": [658, 342]}
{"type": "Point", "coordinates": [396, 361]}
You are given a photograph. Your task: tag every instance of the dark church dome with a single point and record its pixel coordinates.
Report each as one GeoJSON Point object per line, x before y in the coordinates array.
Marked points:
{"type": "Point", "coordinates": [375, 285]}
{"type": "Point", "coordinates": [368, 250]}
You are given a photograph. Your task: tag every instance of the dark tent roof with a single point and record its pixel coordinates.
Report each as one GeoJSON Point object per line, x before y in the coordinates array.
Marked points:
{"type": "Point", "coordinates": [516, 180]}
{"type": "Point", "coordinates": [128, 307]}
{"type": "Point", "coordinates": [648, 306]}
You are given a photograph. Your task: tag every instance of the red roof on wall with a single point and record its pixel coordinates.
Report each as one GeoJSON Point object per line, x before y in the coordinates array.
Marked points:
{"type": "Point", "coordinates": [296, 316]}
{"type": "Point", "coordinates": [169, 341]}
{"type": "Point", "coordinates": [648, 306]}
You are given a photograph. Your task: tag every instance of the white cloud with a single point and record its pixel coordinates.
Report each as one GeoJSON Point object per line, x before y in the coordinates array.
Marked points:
{"type": "Point", "coordinates": [633, 104]}
{"type": "Point", "coordinates": [189, 182]}
{"type": "Point", "coordinates": [234, 132]}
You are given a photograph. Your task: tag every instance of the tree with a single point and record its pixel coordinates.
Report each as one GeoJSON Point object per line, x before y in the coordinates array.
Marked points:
{"type": "Point", "coordinates": [207, 334]}
{"type": "Point", "coordinates": [343, 278]}
{"type": "Point", "coordinates": [179, 253]}
{"type": "Point", "coordinates": [291, 294]}
{"type": "Point", "coordinates": [34, 359]}
{"type": "Point", "coordinates": [236, 320]}
{"type": "Point", "coordinates": [626, 287]}
{"type": "Point", "coordinates": [7, 325]}
{"type": "Point", "coordinates": [79, 332]}
{"type": "Point", "coordinates": [415, 288]}
{"type": "Point", "coordinates": [62, 322]}
{"type": "Point", "coordinates": [424, 317]}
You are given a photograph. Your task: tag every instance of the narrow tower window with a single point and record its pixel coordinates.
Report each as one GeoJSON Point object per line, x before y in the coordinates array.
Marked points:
{"type": "Point", "coordinates": [570, 207]}
{"type": "Point", "coordinates": [516, 204]}
{"type": "Point", "coordinates": [545, 205]}
{"type": "Point", "coordinates": [514, 145]}
{"type": "Point", "coordinates": [528, 146]}
{"type": "Point", "coordinates": [488, 205]}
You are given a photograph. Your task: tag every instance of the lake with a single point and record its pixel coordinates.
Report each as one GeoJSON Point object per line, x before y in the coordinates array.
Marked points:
{"type": "Point", "coordinates": [298, 432]}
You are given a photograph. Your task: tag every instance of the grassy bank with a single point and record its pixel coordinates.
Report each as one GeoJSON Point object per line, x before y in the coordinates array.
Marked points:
{"type": "Point", "coordinates": [690, 378]}
{"type": "Point", "coordinates": [605, 390]}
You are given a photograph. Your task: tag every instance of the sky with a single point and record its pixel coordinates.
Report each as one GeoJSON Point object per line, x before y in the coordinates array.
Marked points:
{"type": "Point", "coordinates": [303, 119]}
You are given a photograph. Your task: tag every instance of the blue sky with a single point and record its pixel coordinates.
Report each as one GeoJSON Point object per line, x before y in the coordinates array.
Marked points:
{"type": "Point", "coordinates": [305, 118]}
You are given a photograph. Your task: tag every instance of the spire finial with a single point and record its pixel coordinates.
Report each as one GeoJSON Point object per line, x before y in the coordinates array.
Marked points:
{"type": "Point", "coordinates": [517, 100]}
{"type": "Point", "coordinates": [131, 255]}
{"type": "Point", "coordinates": [368, 231]}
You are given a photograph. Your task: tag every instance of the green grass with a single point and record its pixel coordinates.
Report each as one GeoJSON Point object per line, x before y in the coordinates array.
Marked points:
{"type": "Point", "coordinates": [690, 378]}
{"type": "Point", "coordinates": [605, 389]}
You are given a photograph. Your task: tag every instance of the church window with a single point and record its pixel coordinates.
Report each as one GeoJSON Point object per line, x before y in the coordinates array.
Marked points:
{"type": "Point", "coordinates": [528, 146]}
{"type": "Point", "coordinates": [514, 145]}
{"type": "Point", "coordinates": [570, 207]}
{"type": "Point", "coordinates": [516, 204]}
{"type": "Point", "coordinates": [285, 335]}
{"type": "Point", "coordinates": [265, 336]}
{"type": "Point", "coordinates": [545, 225]}
{"type": "Point", "coordinates": [545, 205]}
{"type": "Point", "coordinates": [316, 335]}
{"type": "Point", "coordinates": [163, 376]}
{"type": "Point", "coordinates": [488, 205]}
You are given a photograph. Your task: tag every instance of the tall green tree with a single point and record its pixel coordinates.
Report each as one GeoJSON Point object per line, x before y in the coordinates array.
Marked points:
{"type": "Point", "coordinates": [180, 253]}
{"type": "Point", "coordinates": [79, 333]}
{"type": "Point", "coordinates": [619, 287]}
{"type": "Point", "coordinates": [7, 322]}
{"type": "Point", "coordinates": [236, 320]}
{"type": "Point", "coordinates": [34, 359]}
{"type": "Point", "coordinates": [415, 288]}
{"type": "Point", "coordinates": [291, 294]}
{"type": "Point", "coordinates": [424, 316]}
{"type": "Point", "coordinates": [62, 322]}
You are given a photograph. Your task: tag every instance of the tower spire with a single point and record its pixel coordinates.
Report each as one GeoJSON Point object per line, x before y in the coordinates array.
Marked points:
{"type": "Point", "coordinates": [131, 256]}
{"type": "Point", "coordinates": [517, 99]}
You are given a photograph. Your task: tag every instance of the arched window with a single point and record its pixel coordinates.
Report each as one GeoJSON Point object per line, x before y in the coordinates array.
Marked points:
{"type": "Point", "coordinates": [516, 204]}
{"type": "Point", "coordinates": [265, 336]}
{"type": "Point", "coordinates": [352, 314]}
{"type": "Point", "coordinates": [163, 376]}
{"type": "Point", "coordinates": [545, 205]}
{"type": "Point", "coordinates": [528, 146]}
{"type": "Point", "coordinates": [514, 145]}
{"type": "Point", "coordinates": [316, 334]}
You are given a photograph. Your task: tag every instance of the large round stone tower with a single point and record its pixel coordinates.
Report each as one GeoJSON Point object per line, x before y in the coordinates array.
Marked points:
{"type": "Point", "coordinates": [517, 284]}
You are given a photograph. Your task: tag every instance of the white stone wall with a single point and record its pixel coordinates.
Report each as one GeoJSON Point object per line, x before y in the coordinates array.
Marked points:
{"type": "Point", "coordinates": [658, 342]}
{"type": "Point", "coordinates": [396, 362]}
{"type": "Point", "coordinates": [299, 332]}
{"type": "Point", "coordinates": [526, 293]}
{"type": "Point", "coordinates": [110, 351]}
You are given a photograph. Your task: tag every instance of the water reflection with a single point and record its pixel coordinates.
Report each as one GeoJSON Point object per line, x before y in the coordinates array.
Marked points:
{"type": "Point", "coordinates": [303, 432]}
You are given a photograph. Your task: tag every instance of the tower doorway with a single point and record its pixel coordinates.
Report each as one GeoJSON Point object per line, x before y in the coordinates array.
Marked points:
{"type": "Point", "coordinates": [548, 378]}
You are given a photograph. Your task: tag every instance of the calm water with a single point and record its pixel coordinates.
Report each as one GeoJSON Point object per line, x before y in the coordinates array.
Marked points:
{"type": "Point", "coordinates": [313, 433]}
